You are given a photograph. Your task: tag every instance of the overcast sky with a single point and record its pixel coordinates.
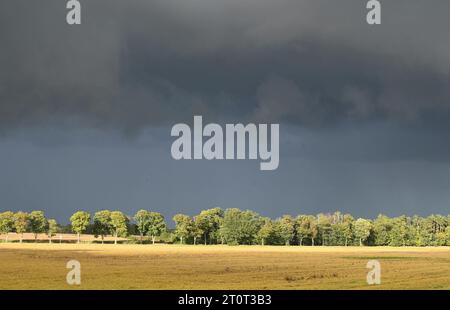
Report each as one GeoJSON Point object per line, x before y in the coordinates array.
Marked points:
{"type": "Point", "coordinates": [86, 111]}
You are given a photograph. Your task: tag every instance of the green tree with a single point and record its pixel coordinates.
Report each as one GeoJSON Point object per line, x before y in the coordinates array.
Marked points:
{"type": "Point", "coordinates": [303, 228]}
{"type": "Point", "coordinates": [400, 231]}
{"type": "Point", "coordinates": [421, 236]}
{"type": "Point", "coordinates": [324, 227]}
{"type": "Point", "coordinates": [183, 226]}
{"type": "Point", "coordinates": [240, 227]}
{"type": "Point", "coordinates": [266, 231]}
{"type": "Point", "coordinates": [21, 223]}
{"type": "Point", "coordinates": [119, 225]}
{"type": "Point", "coordinates": [314, 228]}
{"type": "Point", "coordinates": [142, 219]}
{"type": "Point", "coordinates": [52, 229]}
{"type": "Point", "coordinates": [362, 230]}
{"type": "Point", "coordinates": [382, 227]}
{"type": "Point", "coordinates": [443, 238]}
{"type": "Point", "coordinates": [38, 223]}
{"type": "Point", "coordinates": [347, 228]}
{"type": "Point", "coordinates": [435, 225]}
{"type": "Point", "coordinates": [6, 223]}
{"type": "Point", "coordinates": [156, 225]}
{"type": "Point", "coordinates": [80, 221]}
{"type": "Point", "coordinates": [286, 228]}
{"type": "Point", "coordinates": [196, 231]}
{"type": "Point", "coordinates": [218, 234]}
{"type": "Point", "coordinates": [102, 224]}
{"type": "Point", "coordinates": [447, 235]}
{"type": "Point", "coordinates": [208, 221]}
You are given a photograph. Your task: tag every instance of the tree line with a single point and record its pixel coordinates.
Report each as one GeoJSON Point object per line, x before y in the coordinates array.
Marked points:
{"type": "Point", "coordinates": [234, 227]}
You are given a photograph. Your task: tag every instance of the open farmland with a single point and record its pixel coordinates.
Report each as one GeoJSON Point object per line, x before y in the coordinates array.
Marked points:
{"type": "Point", "coordinates": [43, 266]}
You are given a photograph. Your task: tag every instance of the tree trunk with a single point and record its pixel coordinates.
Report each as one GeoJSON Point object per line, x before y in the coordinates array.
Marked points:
{"type": "Point", "coordinates": [49, 239]}
{"type": "Point", "coordinates": [221, 239]}
{"type": "Point", "coordinates": [360, 241]}
{"type": "Point", "coordinates": [205, 239]}
{"type": "Point", "coordinates": [312, 239]}
{"type": "Point", "coordinates": [115, 238]}
{"type": "Point", "coordinates": [195, 240]}
{"type": "Point", "coordinates": [6, 240]}
{"type": "Point", "coordinates": [141, 237]}
{"type": "Point", "coordinates": [262, 241]}
{"type": "Point", "coordinates": [103, 239]}
{"type": "Point", "coordinates": [21, 237]}
{"type": "Point", "coordinates": [181, 239]}
{"type": "Point", "coordinates": [153, 239]}
{"type": "Point", "coordinates": [345, 241]}
{"type": "Point", "coordinates": [78, 237]}
{"type": "Point", "coordinates": [301, 241]}
{"type": "Point", "coordinates": [35, 237]}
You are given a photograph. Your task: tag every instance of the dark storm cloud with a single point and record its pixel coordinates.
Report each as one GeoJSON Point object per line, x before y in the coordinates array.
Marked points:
{"type": "Point", "coordinates": [363, 111]}
{"type": "Point", "coordinates": [138, 64]}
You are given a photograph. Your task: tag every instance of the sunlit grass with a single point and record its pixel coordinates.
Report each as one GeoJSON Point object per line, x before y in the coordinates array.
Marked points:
{"type": "Point", "coordinates": [43, 266]}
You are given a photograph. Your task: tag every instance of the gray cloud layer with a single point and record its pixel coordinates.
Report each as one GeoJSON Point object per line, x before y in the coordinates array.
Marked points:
{"type": "Point", "coordinates": [364, 111]}
{"type": "Point", "coordinates": [138, 64]}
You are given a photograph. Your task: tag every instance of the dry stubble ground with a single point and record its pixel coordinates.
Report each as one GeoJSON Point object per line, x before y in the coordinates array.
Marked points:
{"type": "Point", "coordinates": [43, 266]}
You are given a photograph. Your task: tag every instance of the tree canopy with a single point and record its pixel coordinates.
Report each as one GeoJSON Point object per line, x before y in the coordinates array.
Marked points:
{"type": "Point", "coordinates": [80, 221]}
{"type": "Point", "coordinates": [235, 226]}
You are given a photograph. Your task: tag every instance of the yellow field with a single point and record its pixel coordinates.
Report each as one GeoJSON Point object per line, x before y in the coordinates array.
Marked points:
{"type": "Point", "coordinates": [43, 266]}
